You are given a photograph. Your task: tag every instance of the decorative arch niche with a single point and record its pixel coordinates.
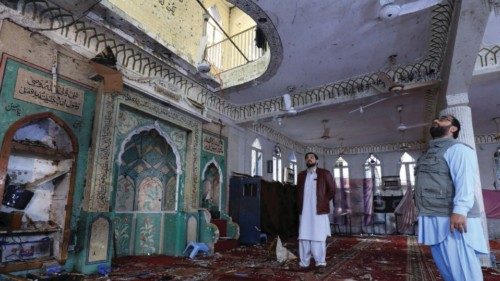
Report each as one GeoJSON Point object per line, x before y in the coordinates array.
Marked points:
{"type": "Point", "coordinates": [211, 187]}
{"type": "Point", "coordinates": [99, 239]}
{"type": "Point", "coordinates": [149, 169]}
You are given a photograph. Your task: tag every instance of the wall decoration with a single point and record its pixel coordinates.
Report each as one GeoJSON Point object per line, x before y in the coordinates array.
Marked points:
{"type": "Point", "coordinates": [185, 132]}
{"type": "Point", "coordinates": [170, 195]}
{"type": "Point", "coordinates": [14, 107]}
{"type": "Point", "coordinates": [60, 146]}
{"type": "Point", "coordinates": [125, 193]}
{"type": "Point", "coordinates": [122, 232]}
{"type": "Point", "coordinates": [146, 237]}
{"type": "Point", "coordinates": [213, 185]}
{"type": "Point", "coordinates": [126, 122]}
{"type": "Point", "coordinates": [149, 196]}
{"type": "Point", "coordinates": [213, 144]}
{"type": "Point", "coordinates": [147, 234]}
{"type": "Point", "coordinates": [99, 239]}
{"type": "Point", "coordinates": [191, 229]}
{"type": "Point", "coordinates": [37, 89]}
{"type": "Point", "coordinates": [148, 163]}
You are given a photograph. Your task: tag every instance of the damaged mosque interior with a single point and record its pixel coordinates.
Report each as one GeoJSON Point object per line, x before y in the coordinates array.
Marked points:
{"type": "Point", "coordinates": [162, 139]}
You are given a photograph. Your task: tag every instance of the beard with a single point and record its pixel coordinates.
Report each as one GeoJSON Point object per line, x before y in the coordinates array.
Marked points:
{"type": "Point", "coordinates": [439, 131]}
{"type": "Point", "coordinates": [310, 165]}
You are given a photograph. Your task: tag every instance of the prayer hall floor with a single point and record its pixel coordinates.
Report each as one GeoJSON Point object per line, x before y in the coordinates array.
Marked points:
{"type": "Point", "coordinates": [348, 258]}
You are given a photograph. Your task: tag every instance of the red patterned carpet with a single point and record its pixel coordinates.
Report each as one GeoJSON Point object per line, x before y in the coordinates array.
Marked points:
{"type": "Point", "coordinates": [349, 258]}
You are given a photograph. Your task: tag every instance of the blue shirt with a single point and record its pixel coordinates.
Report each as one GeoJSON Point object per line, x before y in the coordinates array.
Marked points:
{"type": "Point", "coordinates": [464, 173]}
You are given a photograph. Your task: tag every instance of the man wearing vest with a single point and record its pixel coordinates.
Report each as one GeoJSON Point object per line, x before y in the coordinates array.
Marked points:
{"type": "Point", "coordinates": [448, 213]}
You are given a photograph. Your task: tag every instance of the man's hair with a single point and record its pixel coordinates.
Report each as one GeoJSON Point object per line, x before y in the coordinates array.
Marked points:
{"type": "Point", "coordinates": [315, 155]}
{"type": "Point", "coordinates": [455, 123]}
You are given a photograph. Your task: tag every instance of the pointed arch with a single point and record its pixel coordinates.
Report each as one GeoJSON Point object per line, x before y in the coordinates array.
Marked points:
{"type": "Point", "coordinates": [341, 176]}
{"type": "Point", "coordinates": [256, 144]}
{"type": "Point", "coordinates": [169, 141]}
{"type": "Point", "coordinates": [256, 158]}
{"type": "Point", "coordinates": [292, 168]}
{"type": "Point", "coordinates": [373, 172]}
{"type": "Point", "coordinates": [406, 170]}
{"type": "Point", "coordinates": [221, 178]}
{"type": "Point", "coordinates": [277, 164]}
{"type": "Point", "coordinates": [341, 170]}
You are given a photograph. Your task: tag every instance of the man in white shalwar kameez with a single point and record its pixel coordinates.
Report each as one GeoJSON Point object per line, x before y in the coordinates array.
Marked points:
{"type": "Point", "coordinates": [315, 190]}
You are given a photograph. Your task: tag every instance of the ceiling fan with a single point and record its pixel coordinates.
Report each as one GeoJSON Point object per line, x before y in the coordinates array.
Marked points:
{"type": "Point", "coordinates": [290, 110]}
{"type": "Point", "coordinates": [361, 109]}
{"type": "Point", "coordinates": [393, 89]}
{"type": "Point", "coordinates": [326, 132]}
{"type": "Point", "coordinates": [390, 10]}
{"type": "Point", "coordinates": [402, 127]}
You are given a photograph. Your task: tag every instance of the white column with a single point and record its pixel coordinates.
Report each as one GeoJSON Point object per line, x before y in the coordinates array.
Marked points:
{"type": "Point", "coordinates": [458, 107]}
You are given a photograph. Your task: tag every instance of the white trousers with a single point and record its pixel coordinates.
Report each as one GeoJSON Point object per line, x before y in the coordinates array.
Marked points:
{"type": "Point", "coordinates": [456, 260]}
{"type": "Point", "coordinates": [308, 249]}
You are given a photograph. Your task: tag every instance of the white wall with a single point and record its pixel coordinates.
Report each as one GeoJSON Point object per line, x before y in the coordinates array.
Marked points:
{"type": "Point", "coordinates": [485, 158]}
{"type": "Point", "coordinates": [240, 142]}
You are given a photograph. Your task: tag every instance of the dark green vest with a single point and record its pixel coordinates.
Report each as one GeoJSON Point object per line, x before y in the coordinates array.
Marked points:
{"type": "Point", "coordinates": [434, 190]}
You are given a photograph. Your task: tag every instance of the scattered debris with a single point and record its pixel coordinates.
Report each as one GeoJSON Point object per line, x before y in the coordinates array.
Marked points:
{"type": "Point", "coordinates": [282, 254]}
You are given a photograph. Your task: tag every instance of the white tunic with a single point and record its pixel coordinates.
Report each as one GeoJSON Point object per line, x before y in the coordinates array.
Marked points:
{"type": "Point", "coordinates": [312, 226]}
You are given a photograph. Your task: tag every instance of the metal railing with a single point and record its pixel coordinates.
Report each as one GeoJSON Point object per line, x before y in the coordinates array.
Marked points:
{"type": "Point", "coordinates": [224, 55]}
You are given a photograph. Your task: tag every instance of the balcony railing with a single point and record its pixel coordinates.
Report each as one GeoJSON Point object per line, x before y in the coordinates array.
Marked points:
{"type": "Point", "coordinates": [224, 55]}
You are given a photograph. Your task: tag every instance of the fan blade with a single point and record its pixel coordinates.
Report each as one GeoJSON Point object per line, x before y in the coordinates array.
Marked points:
{"type": "Point", "coordinates": [307, 107]}
{"type": "Point", "coordinates": [416, 126]}
{"type": "Point", "coordinates": [287, 101]}
{"type": "Point", "coordinates": [385, 2]}
{"type": "Point", "coordinates": [375, 102]}
{"type": "Point", "coordinates": [418, 85]}
{"type": "Point", "coordinates": [416, 6]}
{"type": "Point", "coordinates": [360, 109]}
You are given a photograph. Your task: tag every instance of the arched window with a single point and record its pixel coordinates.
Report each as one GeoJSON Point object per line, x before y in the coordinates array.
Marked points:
{"type": "Point", "coordinates": [373, 171]}
{"type": "Point", "coordinates": [341, 177]}
{"type": "Point", "coordinates": [293, 166]}
{"type": "Point", "coordinates": [256, 158]}
{"type": "Point", "coordinates": [341, 173]}
{"type": "Point", "coordinates": [277, 168]}
{"type": "Point", "coordinates": [406, 172]}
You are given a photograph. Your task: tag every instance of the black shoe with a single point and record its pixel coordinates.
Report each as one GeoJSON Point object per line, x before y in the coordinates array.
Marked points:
{"type": "Point", "coordinates": [320, 269]}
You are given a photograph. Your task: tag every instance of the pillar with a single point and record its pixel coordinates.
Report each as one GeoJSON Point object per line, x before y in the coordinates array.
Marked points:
{"type": "Point", "coordinates": [458, 106]}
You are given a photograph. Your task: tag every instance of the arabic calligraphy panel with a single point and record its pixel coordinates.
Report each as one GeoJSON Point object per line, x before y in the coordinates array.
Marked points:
{"type": "Point", "coordinates": [34, 88]}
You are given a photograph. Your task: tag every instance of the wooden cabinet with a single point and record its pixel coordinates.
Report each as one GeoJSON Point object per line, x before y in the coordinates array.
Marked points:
{"type": "Point", "coordinates": [244, 207]}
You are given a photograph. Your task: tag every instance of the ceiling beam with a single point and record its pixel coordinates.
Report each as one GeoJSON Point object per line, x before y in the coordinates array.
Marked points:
{"type": "Point", "coordinates": [465, 39]}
